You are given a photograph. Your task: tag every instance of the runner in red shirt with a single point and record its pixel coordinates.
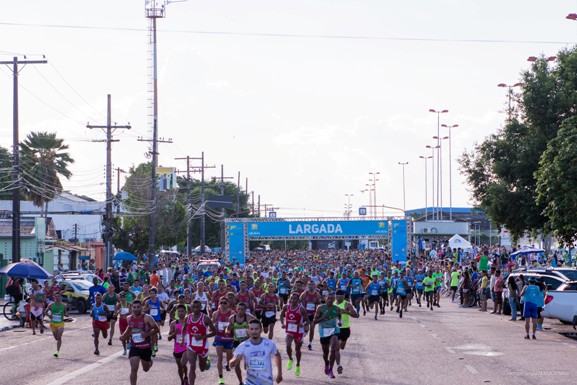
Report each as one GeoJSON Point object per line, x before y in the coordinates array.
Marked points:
{"type": "Point", "coordinates": [296, 325]}
{"type": "Point", "coordinates": [197, 328]}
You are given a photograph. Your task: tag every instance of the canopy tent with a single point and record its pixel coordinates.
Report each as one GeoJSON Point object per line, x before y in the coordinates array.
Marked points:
{"type": "Point", "coordinates": [458, 241]}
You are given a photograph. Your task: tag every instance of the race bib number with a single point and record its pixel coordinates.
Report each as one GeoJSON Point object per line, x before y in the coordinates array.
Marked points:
{"type": "Point", "coordinates": [195, 342]}
{"type": "Point", "coordinates": [154, 312]}
{"type": "Point", "coordinates": [137, 338]}
{"type": "Point", "coordinates": [247, 311]}
{"type": "Point", "coordinates": [256, 363]}
{"type": "Point", "coordinates": [123, 310]}
{"type": "Point", "coordinates": [292, 328]}
{"type": "Point", "coordinates": [111, 307]}
{"type": "Point", "coordinates": [257, 299]}
{"type": "Point", "coordinates": [57, 318]}
{"type": "Point", "coordinates": [102, 318]}
{"type": "Point", "coordinates": [222, 326]}
{"type": "Point", "coordinates": [327, 332]}
{"type": "Point", "coordinates": [203, 306]}
{"type": "Point", "coordinates": [269, 314]}
{"type": "Point", "coordinates": [179, 338]}
{"type": "Point", "coordinates": [240, 333]}
{"type": "Point", "coordinates": [374, 292]}
{"type": "Point", "coordinates": [325, 292]}
{"type": "Point", "coordinates": [282, 290]}
{"type": "Point", "coordinates": [310, 306]}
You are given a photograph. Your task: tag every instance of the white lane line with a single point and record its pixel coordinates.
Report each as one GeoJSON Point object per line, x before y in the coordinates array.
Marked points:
{"type": "Point", "coordinates": [42, 339]}
{"type": "Point", "coordinates": [421, 325]}
{"type": "Point", "coordinates": [434, 335]}
{"type": "Point", "coordinates": [471, 369]}
{"type": "Point", "coordinates": [86, 369]}
{"type": "Point", "coordinates": [450, 350]}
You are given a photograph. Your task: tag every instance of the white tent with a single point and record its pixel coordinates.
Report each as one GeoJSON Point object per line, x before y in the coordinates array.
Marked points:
{"type": "Point", "coordinates": [458, 241]}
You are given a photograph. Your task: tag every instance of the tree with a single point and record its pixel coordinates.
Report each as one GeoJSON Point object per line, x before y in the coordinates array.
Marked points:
{"type": "Point", "coordinates": [5, 174]}
{"type": "Point", "coordinates": [557, 183]}
{"type": "Point", "coordinates": [502, 169]}
{"type": "Point", "coordinates": [43, 158]}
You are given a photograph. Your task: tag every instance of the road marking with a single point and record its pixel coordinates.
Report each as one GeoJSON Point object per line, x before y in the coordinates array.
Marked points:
{"type": "Point", "coordinates": [421, 325]}
{"type": "Point", "coordinates": [450, 350]}
{"type": "Point", "coordinates": [86, 369]}
{"type": "Point", "coordinates": [471, 369]}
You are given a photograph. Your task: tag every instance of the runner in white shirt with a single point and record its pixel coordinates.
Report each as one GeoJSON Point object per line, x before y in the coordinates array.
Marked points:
{"type": "Point", "coordinates": [257, 352]}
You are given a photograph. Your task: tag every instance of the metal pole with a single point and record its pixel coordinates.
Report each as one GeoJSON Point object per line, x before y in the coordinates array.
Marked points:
{"type": "Point", "coordinates": [450, 179]}
{"type": "Point", "coordinates": [202, 208]}
{"type": "Point", "coordinates": [108, 230]}
{"type": "Point", "coordinates": [403, 164]}
{"type": "Point", "coordinates": [152, 227]}
{"type": "Point", "coordinates": [189, 210]}
{"type": "Point", "coordinates": [16, 170]}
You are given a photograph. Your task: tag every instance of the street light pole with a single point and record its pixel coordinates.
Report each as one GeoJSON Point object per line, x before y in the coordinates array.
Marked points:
{"type": "Point", "coordinates": [439, 171]}
{"type": "Point", "coordinates": [374, 174]}
{"type": "Point", "coordinates": [510, 96]}
{"type": "Point", "coordinates": [450, 171]}
{"type": "Point", "coordinates": [425, 158]}
{"type": "Point", "coordinates": [403, 164]}
{"type": "Point", "coordinates": [432, 178]}
{"type": "Point", "coordinates": [349, 204]}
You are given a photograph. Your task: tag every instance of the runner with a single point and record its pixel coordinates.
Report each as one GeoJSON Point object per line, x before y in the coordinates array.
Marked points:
{"type": "Point", "coordinates": [223, 342]}
{"type": "Point", "coordinates": [58, 311]}
{"type": "Point", "coordinates": [244, 295]}
{"type": "Point", "coordinates": [401, 290]}
{"type": "Point", "coordinates": [238, 328]}
{"type": "Point", "coordinates": [175, 333]}
{"type": "Point", "coordinates": [284, 287]}
{"type": "Point", "coordinates": [203, 296]}
{"type": "Point", "coordinates": [311, 299]}
{"type": "Point", "coordinates": [100, 315]}
{"type": "Point", "coordinates": [383, 290]}
{"type": "Point", "coordinates": [355, 287]}
{"type": "Point", "coordinates": [111, 300]}
{"type": "Point", "coordinates": [347, 311]}
{"type": "Point", "coordinates": [256, 352]}
{"type": "Point", "coordinates": [122, 312]}
{"type": "Point", "coordinates": [257, 292]}
{"type": "Point", "coordinates": [197, 329]}
{"type": "Point", "coordinates": [419, 286]}
{"type": "Point", "coordinates": [374, 291]}
{"type": "Point", "coordinates": [269, 302]}
{"type": "Point", "coordinates": [153, 307]}
{"type": "Point", "coordinates": [328, 317]}
{"type": "Point", "coordinates": [37, 299]}
{"type": "Point", "coordinates": [297, 325]}
{"type": "Point", "coordinates": [429, 283]}
{"type": "Point", "coordinates": [140, 328]}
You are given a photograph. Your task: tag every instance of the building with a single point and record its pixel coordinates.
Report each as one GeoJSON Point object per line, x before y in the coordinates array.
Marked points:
{"type": "Point", "coordinates": [35, 234]}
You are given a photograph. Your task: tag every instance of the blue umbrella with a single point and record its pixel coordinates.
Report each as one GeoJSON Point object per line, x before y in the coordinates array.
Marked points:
{"type": "Point", "coordinates": [124, 256]}
{"type": "Point", "coordinates": [25, 269]}
{"type": "Point", "coordinates": [527, 250]}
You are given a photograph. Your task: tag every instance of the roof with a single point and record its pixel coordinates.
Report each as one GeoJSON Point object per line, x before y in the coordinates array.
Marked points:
{"type": "Point", "coordinates": [27, 228]}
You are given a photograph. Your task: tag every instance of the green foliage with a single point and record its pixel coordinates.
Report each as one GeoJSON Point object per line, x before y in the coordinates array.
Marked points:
{"type": "Point", "coordinates": [43, 158]}
{"type": "Point", "coordinates": [5, 174]}
{"type": "Point", "coordinates": [503, 170]}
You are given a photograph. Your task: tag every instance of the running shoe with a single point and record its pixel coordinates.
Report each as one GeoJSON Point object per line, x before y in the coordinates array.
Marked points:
{"type": "Point", "coordinates": [327, 369]}
{"type": "Point", "coordinates": [153, 354]}
{"type": "Point", "coordinates": [289, 365]}
{"type": "Point", "coordinates": [310, 346]}
{"type": "Point", "coordinates": [401, 314]}
{"type": "Point", "coordinates": [155, 348]}
{"type": "Point", "coordinates": [57, 354]}
{"type": "Point", "coordinates": [221, 381]}
{"type": "Point", "coordinates": [297, 371]}
{"type": "Point", "coordinates": [227, 367]}
{"type": "Point", "coordinates": [534, 337]}
{"type": "Point", "coordinates": [527, 337]}
{"type": "Point", "coordinates": [331, 375]}
{"type": "Point", "coordinates": [207, 362]}
{"type": "Point", "coordinates": [109, 342]}
{"type": "Point", "coordinates": [340, 369]}
{"type": "Point", "coordinates": [41, 330]}
{"type": "Point", "coordinates": [124, 353]}
{"type": "Point", "coordinates": [375, 318]}
{"type": "Point", "coordinates": [96, 352]}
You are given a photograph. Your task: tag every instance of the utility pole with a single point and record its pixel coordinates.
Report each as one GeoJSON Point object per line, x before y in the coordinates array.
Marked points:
{"type": "Point", "coordinates": [16, 179]}
{"type": "Point", "coordinates": [188, 208]}
{"type": "Point", "coordinates": [107, 236]}
{"type": "Point", "coordinates": [118, 172]}
{"type": "Point", "coordinates": [222, 178]}
{"type": "Point", "coordinates": [202, 203]}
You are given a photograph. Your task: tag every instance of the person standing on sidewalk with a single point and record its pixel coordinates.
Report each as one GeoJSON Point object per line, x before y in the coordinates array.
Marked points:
{"type": "Point", "coordinates": [530, 296]}
{"type": "Point", "coordinates": [513, 297]}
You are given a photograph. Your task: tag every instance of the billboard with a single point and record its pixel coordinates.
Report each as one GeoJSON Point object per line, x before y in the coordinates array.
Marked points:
{"type": "Point", "coordinates": [399, 241]}
{"type": "Point", "coordinates": [307, 229]}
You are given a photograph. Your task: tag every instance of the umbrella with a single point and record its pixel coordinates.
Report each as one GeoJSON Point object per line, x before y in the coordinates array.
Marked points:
{"type": "Point", "coordinates": [124, 256]}
{"type": "Point", "coordinates": [25, 269]}
{"type": "Point", "coordinates": [527, 250]}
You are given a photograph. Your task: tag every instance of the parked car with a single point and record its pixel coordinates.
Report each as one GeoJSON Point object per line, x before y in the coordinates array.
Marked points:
{"type": "Point", "coordinates": [80, 276]}
{"type": "Point", "coordinates": [553, 282]}
{"type": "Point", "coordinates": [75, 293]}
{"type": "Point", "coordinates": [561, 304]}
{"type": "Point", "coordinates": [567, 273]}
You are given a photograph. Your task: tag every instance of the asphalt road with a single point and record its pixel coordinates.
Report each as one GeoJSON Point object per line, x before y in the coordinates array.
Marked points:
{"type": "Point", "coordinates": [446, 346]}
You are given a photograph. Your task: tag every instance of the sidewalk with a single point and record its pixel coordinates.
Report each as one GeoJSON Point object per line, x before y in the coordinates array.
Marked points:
{"type": "Point", "coordinates": [4, 323]}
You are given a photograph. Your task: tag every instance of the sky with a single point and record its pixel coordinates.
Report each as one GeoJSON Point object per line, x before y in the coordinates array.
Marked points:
{"type": "Point", "coordinates": [305, 98]}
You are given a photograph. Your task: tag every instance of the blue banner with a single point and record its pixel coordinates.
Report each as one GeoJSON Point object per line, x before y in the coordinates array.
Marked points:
{"type": "Point", "coordinates": [399, 246]}
{"type": "Point", "coordinates": [236, 242]}
{"type": "Point", "coordinates": [307, 229]}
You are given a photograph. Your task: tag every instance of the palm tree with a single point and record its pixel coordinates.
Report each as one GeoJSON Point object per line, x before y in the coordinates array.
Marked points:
{"type": "Point", "coordinates": [43, 159]}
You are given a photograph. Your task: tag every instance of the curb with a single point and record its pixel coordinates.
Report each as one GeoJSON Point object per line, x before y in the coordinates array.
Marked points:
{"type": "Point", "coordinates": [4, 328]}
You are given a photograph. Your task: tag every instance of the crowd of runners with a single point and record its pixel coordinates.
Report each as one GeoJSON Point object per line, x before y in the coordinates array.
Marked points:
{"type": "Point", "coordinates": [239, 309]}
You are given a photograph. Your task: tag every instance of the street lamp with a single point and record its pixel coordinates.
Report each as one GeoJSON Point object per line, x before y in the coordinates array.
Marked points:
{"type": "Point", "coordinates": [432, 178]}
{"type": "Point", "coordinates": [439, 171]}
{"type": "Point", "coordinates": [374, 174]}
{"type": "Point", "coordinates": [440, 185]}
{"type": "Point", "coordinates": [425, 158]}
{"type": "Point", "coordinates": [370, 199]}
{"type": "Point", "coordinates": [403, 164]}
{"type": "Point", "coordinates": [510, 95]}
{"type": "Point", "coordinates": [450, 171]}
{"type": "Point", "coordinates": [349, 204]}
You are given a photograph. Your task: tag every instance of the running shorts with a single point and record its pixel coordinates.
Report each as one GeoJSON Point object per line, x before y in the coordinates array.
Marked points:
{"type": "Point", "coordinates": [101, 325]}
{"type": "Point", "coordinates": [344, 334]}
{"type": "Point", "coordinates": [143, 354]}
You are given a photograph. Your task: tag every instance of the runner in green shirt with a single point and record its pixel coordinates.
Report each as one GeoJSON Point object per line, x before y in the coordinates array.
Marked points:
{"type": "Point", "coordinates": [58, 311]}
{"type": "Point", "coordinates": [429, 283]}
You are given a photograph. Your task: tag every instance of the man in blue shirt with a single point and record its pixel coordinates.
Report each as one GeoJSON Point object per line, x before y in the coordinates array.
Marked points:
{"type": "Point", "coordinates": [95, 289]}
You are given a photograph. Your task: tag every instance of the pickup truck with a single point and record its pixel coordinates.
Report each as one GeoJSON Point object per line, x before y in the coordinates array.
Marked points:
{"type": "Point", "coordinates": [561, 304]}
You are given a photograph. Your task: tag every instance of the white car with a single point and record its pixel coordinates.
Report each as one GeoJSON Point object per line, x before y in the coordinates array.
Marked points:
{"type": "Point", "coordinates": [561, 304]}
